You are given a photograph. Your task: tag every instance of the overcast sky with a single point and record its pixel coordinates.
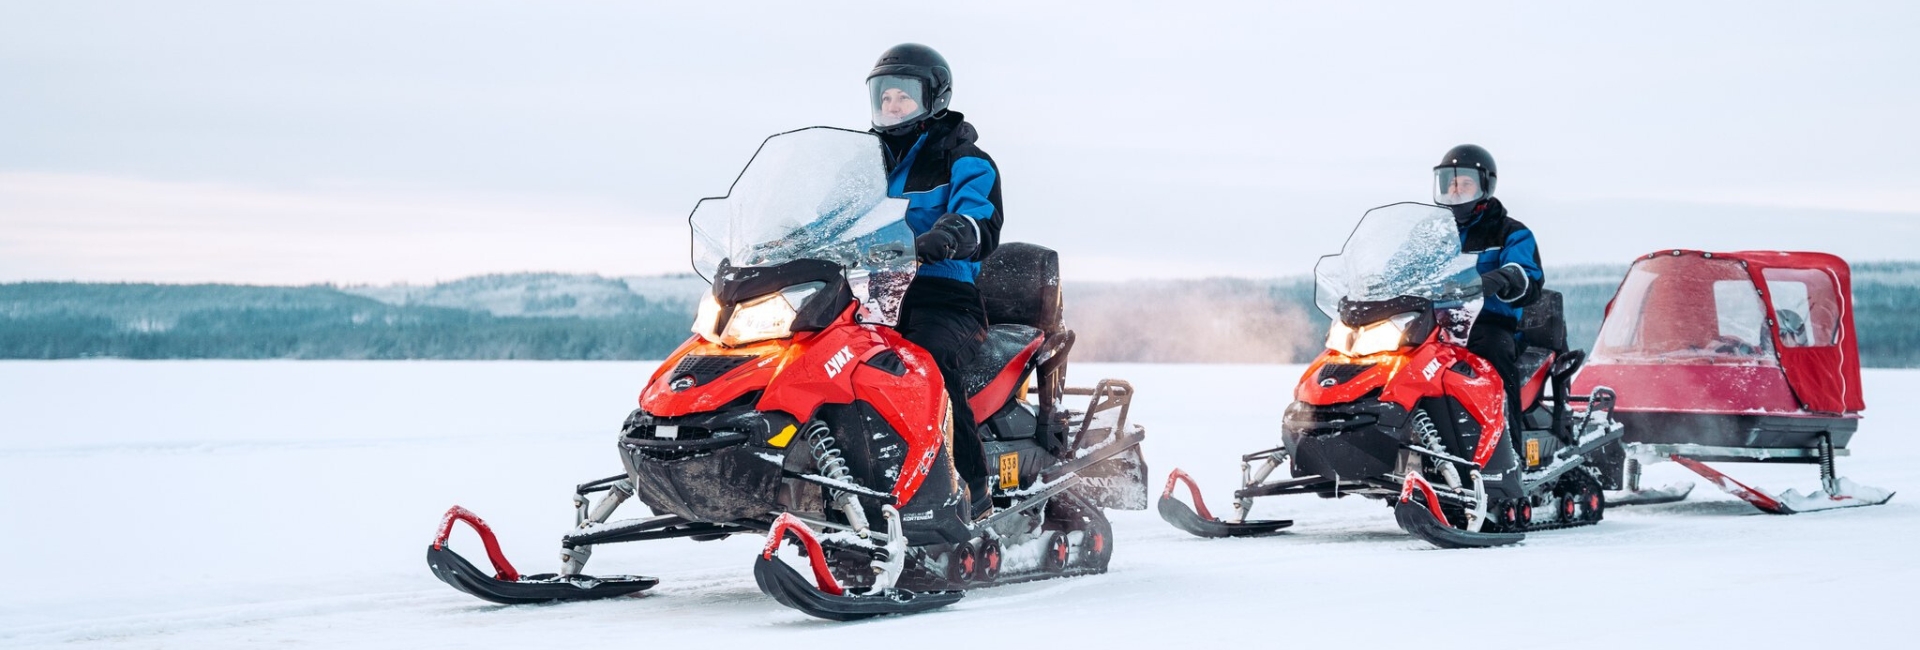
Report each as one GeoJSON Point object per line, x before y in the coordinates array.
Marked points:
{"type": "Point", "coordinates": [399, 140]}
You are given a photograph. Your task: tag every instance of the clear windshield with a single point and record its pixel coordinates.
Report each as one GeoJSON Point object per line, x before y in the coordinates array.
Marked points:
{"type": "Point", "coordinates": [816, 193]}
{"type": "Point", "coordinates": [1404, 249]}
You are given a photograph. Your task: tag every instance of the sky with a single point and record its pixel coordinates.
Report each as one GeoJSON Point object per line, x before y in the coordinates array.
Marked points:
{"type": "Point", "coordinates": [415, 141]}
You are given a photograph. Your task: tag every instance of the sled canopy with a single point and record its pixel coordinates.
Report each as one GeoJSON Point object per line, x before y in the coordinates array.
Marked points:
{"type": "Point", "coordinates": [1751, 332]}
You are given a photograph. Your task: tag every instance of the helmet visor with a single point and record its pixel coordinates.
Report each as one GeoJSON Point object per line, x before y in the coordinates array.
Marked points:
{"type": "Point", "coordinates": [896, 100]}
{"type": "Point", "coordinates": [1458, 185]}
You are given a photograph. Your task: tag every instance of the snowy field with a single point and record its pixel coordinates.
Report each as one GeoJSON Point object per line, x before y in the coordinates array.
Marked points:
{"type": "Point", "coordinates": [289, 504]}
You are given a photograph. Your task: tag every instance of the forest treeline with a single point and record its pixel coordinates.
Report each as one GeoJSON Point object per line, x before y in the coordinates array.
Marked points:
{"type": "Point", "coordinates": [553, 316]}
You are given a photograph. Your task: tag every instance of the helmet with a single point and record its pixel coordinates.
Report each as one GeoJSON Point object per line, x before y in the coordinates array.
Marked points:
{"type": "Point", "coordinates": [1464, 176]}
{"type": "Point", "coordinates": [909, 83]}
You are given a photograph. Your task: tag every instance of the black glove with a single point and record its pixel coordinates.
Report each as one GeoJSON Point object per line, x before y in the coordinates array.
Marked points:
{"type": "Point", "coordinates": [1507, 283]}
{"type": "Point", "coordinates": [953, 236]}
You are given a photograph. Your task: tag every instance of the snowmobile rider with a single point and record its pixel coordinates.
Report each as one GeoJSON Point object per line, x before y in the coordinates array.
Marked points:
{"type": "Point", "coordinates": [953, 206]}
{"type": "Point", "coordinates": [1509, 262]}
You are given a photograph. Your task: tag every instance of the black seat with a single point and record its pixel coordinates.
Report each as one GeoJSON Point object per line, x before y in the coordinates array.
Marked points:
{"type": "Point", "coordinates": [1004, 342]}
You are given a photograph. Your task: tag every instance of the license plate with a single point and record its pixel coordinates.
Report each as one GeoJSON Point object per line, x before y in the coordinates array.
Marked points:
{"type": "Point", "coordinates": [667, 432]}
{"type": "Point", "coordinates": [1009, 471]}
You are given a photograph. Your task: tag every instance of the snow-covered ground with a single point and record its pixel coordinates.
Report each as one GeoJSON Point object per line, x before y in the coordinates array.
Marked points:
{"type": "Point", "coordinates": [245, 504]}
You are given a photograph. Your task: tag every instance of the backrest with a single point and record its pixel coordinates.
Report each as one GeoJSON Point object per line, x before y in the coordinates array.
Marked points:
{"type": "Point", "coordinates": [1544, 323]}
{"type": "Point", "coordinates": [1020, 284]}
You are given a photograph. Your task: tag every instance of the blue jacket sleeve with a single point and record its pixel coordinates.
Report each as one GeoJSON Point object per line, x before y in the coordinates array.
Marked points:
{"type": "Point", "coordinates": [976, 194]}
{"type": "Point", "coordinates": [1520, 250]}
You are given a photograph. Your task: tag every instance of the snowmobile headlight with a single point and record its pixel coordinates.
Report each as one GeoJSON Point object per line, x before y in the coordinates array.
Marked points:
{"type": "Point", "coordinates": [1373, 338]}
{"type": "Point", "coordinates": [766, 317]}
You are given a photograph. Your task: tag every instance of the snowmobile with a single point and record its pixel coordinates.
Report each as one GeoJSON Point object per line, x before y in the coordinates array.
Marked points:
{"type": "Point", "coordinates": [1397, 409]}
{"type": "Point", "coordinates": [1744, 357]}
{"type": "Point", "coordinates": [797, 411]}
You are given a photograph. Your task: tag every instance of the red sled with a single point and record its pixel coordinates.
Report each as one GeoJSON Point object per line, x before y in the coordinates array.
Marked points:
{"type": "Point", "coordinates": [1746, 357]}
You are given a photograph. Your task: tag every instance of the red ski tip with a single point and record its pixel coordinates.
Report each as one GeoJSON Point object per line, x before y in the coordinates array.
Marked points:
{"type": "Point", "coordinates": [502, 569]}
{"type": "Point", "coordinates": [1176, 478]}
{"type": "Point", "coordinates": [789, 525]}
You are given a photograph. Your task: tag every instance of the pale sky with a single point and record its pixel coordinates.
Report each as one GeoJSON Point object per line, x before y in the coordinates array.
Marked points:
{"type": "Point", "coordinates": [356, 142]}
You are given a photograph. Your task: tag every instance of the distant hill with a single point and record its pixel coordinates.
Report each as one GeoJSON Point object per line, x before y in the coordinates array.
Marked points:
{"type": "Point", "coordinates": [63, 320]}
{"type": "Point", "coordinates": [546, 294]}
{"type": "Point", "coordinates": [559, 316]}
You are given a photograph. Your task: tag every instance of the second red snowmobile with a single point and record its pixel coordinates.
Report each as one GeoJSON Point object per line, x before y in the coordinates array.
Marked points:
{"type": "Point", "coordinates": [797, 408]}
{"type": "Point", "coordinates": [1397, 409]}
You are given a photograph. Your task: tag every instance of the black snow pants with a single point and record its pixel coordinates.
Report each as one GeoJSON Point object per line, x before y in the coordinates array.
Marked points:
{"type": "Point", "coordinates": [1495, 340]}
{"type": "Point", "coordinates": [948, 319]}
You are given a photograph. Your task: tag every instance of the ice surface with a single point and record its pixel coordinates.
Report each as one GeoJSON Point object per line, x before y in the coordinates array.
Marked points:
{"type": "Point", "coordinates": [255, 504]}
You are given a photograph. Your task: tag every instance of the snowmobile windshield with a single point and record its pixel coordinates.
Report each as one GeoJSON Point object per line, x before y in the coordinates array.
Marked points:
{"type": "Point", "coordinates": [818, 193]}
{"type": "Point", "coordinates": [896, 99]}
{"type": "Point", "coordinates": [1404, 249]}
{"type": "Point", "coordinates": [1458, 185]}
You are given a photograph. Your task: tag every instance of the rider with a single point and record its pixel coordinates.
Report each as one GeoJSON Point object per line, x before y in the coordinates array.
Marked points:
{"type": "Point", "coordinates": [953, 197]}
{"type": "Point", "coordinates": [1509, 265]}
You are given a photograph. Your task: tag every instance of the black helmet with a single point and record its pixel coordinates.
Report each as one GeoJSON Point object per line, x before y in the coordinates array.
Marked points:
{"type": "Point", "coordinates": [922, 85]}
{"type": "Point", "coordinates": [1473, 167]}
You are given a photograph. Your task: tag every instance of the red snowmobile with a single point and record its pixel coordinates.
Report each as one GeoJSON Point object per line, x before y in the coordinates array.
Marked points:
{"type": "Point", "coordinates": [1397, 409]}
{"type": "Point", "coordinates": [797, 408]}
{"type": "Point", "coordinates": [1734, 357]}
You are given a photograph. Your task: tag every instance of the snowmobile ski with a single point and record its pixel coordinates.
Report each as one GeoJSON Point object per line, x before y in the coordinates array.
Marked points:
{"type": "Point", "coordinates": [506, 585]}
{"type": "Point", "coordinates": [825, 598]}
{"type": "Point", "coordinates": [1425, 520]}
{"type": "Point", "coordinates": [1203, 523]}
{"type": "Point", "coordinates": [1842, 494]}
{"type": "Point", "coordinates": [1420, 522]}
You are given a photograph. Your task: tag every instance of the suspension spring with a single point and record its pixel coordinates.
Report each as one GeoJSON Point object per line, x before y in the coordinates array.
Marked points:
{"type": "Point", "coordinates": [1430, 437]}
{"type": "Point", "coordinates": [832, 464]}
{"type": "Point", "coordinates": [826, 453]}
{"type": "Point", "coordinates": [1829, 479]}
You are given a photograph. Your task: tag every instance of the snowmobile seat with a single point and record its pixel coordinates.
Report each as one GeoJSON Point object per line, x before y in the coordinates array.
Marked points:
{"type": "Point", "coordinates": [997, 371]}
{"type": "Point", "coordinates": [1020, 285]}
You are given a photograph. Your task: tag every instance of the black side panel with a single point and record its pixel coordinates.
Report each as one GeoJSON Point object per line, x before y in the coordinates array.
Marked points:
{"type": "Point", "coordinates": [874, 452]}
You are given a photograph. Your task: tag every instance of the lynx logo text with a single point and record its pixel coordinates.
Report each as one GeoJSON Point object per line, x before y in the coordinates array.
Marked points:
{"type": "Point", "coordinates": [838, 362]}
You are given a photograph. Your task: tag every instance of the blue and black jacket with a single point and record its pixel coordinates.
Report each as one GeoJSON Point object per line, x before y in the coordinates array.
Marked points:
{"type": "Point", "coordinates": [940, 170]}
{"type": "Point", "coordinates": [1500, 240]}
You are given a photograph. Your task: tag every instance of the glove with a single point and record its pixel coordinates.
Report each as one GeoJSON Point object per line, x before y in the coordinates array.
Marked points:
{"type": "Point", "coordinates": [1507, 283]}
{"type": "Point", "coordinates": [953, 236]}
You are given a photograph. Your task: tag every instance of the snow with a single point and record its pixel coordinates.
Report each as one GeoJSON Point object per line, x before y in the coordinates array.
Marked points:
{"type": "Point", "coordinates": [242, 504]}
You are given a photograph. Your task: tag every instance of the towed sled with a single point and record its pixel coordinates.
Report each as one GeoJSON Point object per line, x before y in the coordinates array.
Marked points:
{"type": "Point", "coordinates": [1397, 409]}
{"type": "Point", "coordinates": [1745, 357]}
{"type": "Point", "coordinates": [798, 412]}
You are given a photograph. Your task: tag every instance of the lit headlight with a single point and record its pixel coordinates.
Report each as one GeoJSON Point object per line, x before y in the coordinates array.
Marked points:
{"type": "Point", "coordinates": [1374, 338]}
{"type": "Point", "coordinates": [766, 317]}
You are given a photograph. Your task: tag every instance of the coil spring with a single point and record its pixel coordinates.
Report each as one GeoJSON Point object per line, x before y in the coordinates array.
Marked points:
{"type": "Point", "coordinates": [826, 453]}
{"type": "Point", "coordinates": [1430, 437]}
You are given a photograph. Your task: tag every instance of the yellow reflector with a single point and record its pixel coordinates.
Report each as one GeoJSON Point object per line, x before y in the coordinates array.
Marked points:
{"type": "Point", "coordinates": [785, 436]}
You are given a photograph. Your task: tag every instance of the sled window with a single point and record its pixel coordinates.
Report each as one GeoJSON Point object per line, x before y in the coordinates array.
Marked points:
{"type": "Point", "coordinates": [1742, 316]}
{"type": "Point", "coordinates": [1806, 307]}
{"type": "Point", "coordinates": [1686, 309]}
